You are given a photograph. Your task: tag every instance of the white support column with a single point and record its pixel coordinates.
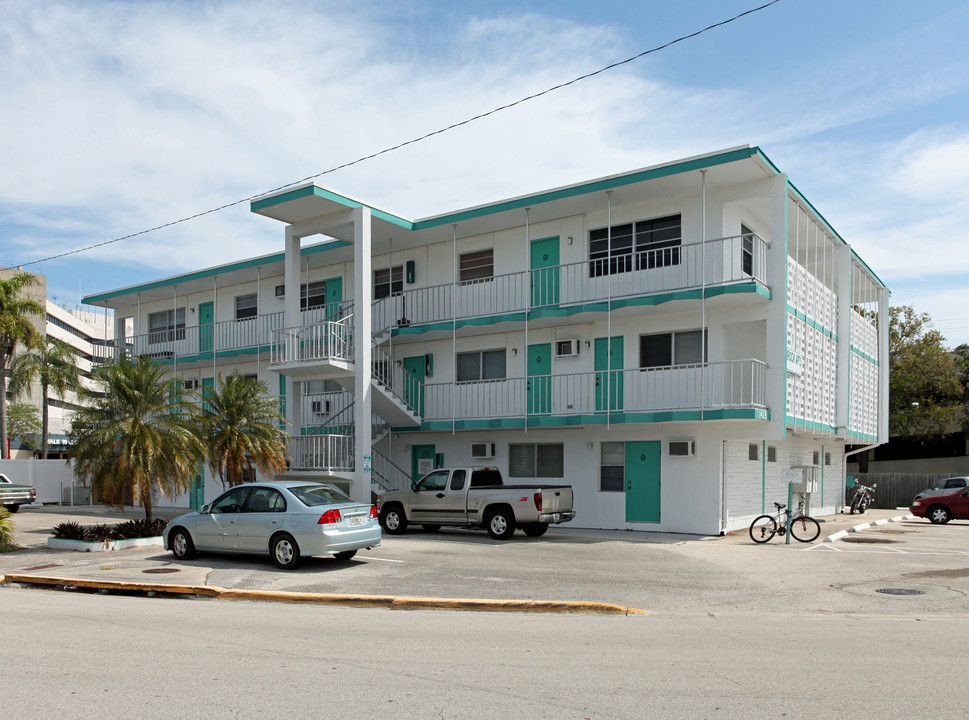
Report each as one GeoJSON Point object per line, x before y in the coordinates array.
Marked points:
{"type": "Point", "coordinates": [362, 354]}
{"type": "Point", "coordinates": [842, 270]}
{"type": "Point", "coordinates": [883, 319]}
{"type": "Point", "coordinates": [291, 320]}
{"type": "Point", "coordinates": [777, 314]}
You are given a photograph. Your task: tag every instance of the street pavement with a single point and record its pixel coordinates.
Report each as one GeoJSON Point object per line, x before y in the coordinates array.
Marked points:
{"type": "Point", "coordinates": [896, 565]}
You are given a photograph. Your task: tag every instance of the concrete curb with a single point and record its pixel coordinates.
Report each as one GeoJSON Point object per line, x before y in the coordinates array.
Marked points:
{"type": "Point", "coordinates": [865, 526]}
{"type": "Point", "coordinates": [392, 602]}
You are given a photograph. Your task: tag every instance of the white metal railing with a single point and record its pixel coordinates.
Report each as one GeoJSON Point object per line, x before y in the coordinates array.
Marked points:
{"type": "Point", "coordinates": [387, 475]}
{"type": "Point", "coordinates": [327, 340]}
{"type": "Point", "coordinates": [735, 383]}
{"type": "Point", "coordinates": [716, 262]}
{"type": "Point", "coordinates": [392, 375]}
{"type": "Point", "coordinates": [331, 453]}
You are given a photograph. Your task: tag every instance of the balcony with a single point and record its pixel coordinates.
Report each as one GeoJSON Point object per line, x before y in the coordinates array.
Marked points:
{"type": "Point", "coordinates": [736, 384]}
{"type": "Point", "coordinates": [716, 263]}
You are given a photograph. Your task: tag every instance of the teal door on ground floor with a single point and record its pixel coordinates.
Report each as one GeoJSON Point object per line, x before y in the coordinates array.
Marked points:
{"type": "Point", "coordinates": [642, 473]}
{"type": "Point", "coordinates": [422, 459]}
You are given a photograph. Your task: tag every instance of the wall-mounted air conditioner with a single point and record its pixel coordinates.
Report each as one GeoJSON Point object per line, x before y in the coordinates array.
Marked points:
{"type": "Point", "coordinates": [280, 291]}
{"type": "Point", "coordinates": [190, 384]}
{"type": "Point", "coordinates": [566, 348]}
{"type": "Point", "coordinates": [320, 407]}
{"type": "Point", "coordinates": [482, 450]}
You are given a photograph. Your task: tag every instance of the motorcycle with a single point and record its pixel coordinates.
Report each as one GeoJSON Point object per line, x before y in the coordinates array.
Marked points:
{"type": "Point", "coordinates": [864, 497]}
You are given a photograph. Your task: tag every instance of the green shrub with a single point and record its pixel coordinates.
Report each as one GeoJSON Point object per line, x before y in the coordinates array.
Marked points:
{"type": "Point", "coordinates": [98, 533]}
{"type": "Point", "coordinates": [69, 530]}
{"type": "Point", "coordinates": [6, 530]}
{"type": "Point", "coordinates": [140, 528]}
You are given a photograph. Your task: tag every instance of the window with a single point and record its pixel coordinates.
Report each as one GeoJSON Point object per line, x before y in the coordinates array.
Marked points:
{"type": "Point", "coordinates": [635, 246]}
{"type": "Point", "coordinates": [612, 467]}
{"type": "Point", "coordinates": [478, 265]}
{"type": "Point", "coordinates": [437, 480]}
{"type": "Point", "coordinates": [166, 325]}
{"type": "Point", "coordinates": [668, 349]}
{"type": "Point", "coordinates": [387, 282]}
{"type": "Point", "coordinates": [267, 500]}
{"type": "Point", "coordinates": [312, 295]}
{"type": "Point", "coordinates": [246, 306]}
{"type": "Point", "coordinates": [231, 502]}
{"type": "Point", "coordinates": [747, 250]}
{"type": "Point", "coordinates": [457, 479]}
{"type": "Point", "coordinates": [827, 458]}
{"type": "Point", "coordinates": [753, 451]}
{"type": "Point", "coordinates": [481, 365]}
{"type": "Point", "coordinates": [536, 461]}
{"type": "Point", "coordinates": [814, 458]}
{"type": "Point", "coordinates": [771, 453]}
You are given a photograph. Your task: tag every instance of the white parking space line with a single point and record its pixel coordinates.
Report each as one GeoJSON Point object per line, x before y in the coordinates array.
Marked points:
{"type": "Point", "coordinates": [373, 557]}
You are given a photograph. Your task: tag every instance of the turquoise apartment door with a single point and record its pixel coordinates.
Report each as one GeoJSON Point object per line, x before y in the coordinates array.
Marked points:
{"type": "Point", "coordinates": [643, 481]}
{"type": "Point", "coordinates": [334, 298]}
{"type": "Point", "coordinates": [539, 380]}
{"type": "Point", "coordinates": [414, 390]}
{"type": "Point", "coordinates": [609, 376]}
{"type": "Point", "coordinates": [206, 317]}
{"type": "Point", "coordinates": [545, 272]}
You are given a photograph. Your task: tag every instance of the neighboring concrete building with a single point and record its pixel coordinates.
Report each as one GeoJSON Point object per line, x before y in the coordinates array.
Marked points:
{"type": "Point", "coordinates": [91, 333]}
{"type": "Point", "coordinates": [677, 342]}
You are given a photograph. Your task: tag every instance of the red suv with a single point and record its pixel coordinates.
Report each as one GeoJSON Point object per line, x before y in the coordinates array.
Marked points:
{"type": "Point", "coordinates": [941, 509]}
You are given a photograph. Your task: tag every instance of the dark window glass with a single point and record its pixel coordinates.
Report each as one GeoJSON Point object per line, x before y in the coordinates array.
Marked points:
{"type": "Point", "coordinates": [457, 479]}
{"type": "Point", "coordinates": [479, 265]}
{"type": "Point", "coordinates": [166, 325]}
{"type": "Point", "coordinates": [312, 295]}
{"type": "Point", "coordinates": [658, 242]}
{"type": "Point", "coordinates": [481, 365]}
{"type": "Point", "coordinates": [536, 460]}
{"type": "Point", "coordinates": [246, 306]}
{"type": "Point", "coordinates": [387, 282]}
{"type": "Point", "coordinates": [611, 255]}
{"type": "Point", "coordinates": [747, 250]}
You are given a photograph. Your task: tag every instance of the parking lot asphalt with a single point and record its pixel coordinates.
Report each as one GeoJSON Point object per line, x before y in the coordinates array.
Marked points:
{"type": "Point", "coordinates": [568, 569]}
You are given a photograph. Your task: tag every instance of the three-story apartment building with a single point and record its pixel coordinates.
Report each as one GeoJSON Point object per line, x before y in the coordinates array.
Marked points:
{"type": "Point", "coordinates": [678, 343]}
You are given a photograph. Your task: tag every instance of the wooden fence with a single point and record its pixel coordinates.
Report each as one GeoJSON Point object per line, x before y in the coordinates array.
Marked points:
{"type": "Point", "coordinates": [896, 489]}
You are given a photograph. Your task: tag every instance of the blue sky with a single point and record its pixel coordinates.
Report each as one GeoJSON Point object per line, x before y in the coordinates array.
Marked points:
{"type": "Point", "coordinates": [120, 116]}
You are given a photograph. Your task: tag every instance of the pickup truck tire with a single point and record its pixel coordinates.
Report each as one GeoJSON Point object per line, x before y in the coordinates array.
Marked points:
{"type": "Point", "coordinates": [392, 519]}
{"type": "Point", "coordinates": [430, 527]}
{"type": "Point", "coordinates": [535, 529]}
{"type": "Point", "coordinates": [181, 544]}
{"type": "Point", "coordinates": [500, 523]}
{"type": "Point", "coordinates": [11, 508]}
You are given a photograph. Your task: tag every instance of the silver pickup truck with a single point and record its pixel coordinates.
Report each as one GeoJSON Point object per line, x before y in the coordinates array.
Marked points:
{"type": "Point", "coordinates": [476, 497]}
{"type": "Point", "coordinates": [13, 496]}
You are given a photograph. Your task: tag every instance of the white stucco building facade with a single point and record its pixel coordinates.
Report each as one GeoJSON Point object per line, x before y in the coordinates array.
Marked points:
{"type": "Point", "coordinates": [670, 341]}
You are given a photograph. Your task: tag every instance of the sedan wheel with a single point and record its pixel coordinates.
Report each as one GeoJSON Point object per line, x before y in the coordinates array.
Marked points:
{"type": "Point", "coordinates": [182, 546]}
{"type": "Point", "coordinates": [939, 514]}
{"type": "Point", "coordinates": [285, 552]}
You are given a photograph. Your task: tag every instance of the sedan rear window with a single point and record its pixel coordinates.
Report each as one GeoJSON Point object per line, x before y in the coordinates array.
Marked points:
{"type": "Point", "coordinates": [313, 495]}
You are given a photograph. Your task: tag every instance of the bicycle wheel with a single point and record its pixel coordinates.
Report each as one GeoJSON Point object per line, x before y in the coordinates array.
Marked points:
{"type": "Point", "coordinates": [805, 529]}
{"type": "Point", "coordinates": [762, 529]}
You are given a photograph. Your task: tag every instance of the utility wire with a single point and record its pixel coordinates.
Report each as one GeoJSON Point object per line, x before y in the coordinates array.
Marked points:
{"type": "Point", "coordinates": [412, 141]}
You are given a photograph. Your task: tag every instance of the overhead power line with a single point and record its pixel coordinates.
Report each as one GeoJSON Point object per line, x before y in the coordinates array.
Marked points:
{"type": "Point", "coordinates": [413, 141]}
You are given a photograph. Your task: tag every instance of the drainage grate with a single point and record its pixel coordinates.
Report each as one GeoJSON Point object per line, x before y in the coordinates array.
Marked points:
{"type": "Point", "coordinates": [899, 591]}
{"type": "Point", "coordinates": [868, 539]}
{"type": "Point", "coordinates": [160, 571]}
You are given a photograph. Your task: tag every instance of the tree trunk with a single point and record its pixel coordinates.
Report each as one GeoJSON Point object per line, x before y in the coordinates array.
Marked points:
{"type": "Point", "coordinates": [4, 455]}
{"type": "Point", "coordinates": [45, 423]}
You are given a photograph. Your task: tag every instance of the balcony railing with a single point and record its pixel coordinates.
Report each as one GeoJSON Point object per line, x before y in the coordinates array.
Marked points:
{"type": "Point", "coordinates": [323, 341]}
{"type": "Point", "coordinates": [717, 262]}
{"type": "Point", "coordinates": [329, 453]}
{"type": "Point", "coordinates": [730, 384]}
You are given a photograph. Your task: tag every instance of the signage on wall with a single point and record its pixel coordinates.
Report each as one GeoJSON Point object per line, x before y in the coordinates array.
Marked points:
{"type": "Point", "coordinates": [795, 362]}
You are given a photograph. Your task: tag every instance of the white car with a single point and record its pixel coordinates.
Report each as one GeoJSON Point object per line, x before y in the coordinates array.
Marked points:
{"type": "Point", "coordinates": [286, 519]}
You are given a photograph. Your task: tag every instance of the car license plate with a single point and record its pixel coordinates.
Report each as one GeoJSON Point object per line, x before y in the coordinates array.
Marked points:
{"type": "Point", "coordinates": [357, 520]}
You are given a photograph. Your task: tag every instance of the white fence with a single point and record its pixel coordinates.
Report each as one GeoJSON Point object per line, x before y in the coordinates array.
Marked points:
{"type": "Point", "coordinates": [53, 479]}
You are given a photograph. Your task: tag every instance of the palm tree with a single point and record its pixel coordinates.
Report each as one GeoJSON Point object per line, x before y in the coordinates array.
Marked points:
{"type": "Point", "coordinates": [16, 327]}
{"type": "Point", "coordinates": [239, 426]}
{"type": "Point", "coordinates": [55, 365]}
{"type": "Point", "coordinates": [135, 440]}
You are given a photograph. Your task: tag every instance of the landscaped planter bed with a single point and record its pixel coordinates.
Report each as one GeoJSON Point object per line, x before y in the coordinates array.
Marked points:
{"type": "Point", "coordinates": [102, 546]}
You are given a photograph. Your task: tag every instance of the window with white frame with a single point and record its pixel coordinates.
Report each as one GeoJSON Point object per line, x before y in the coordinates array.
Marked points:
{"type": "Point", "coordinates": [476, 266]}
{"type": "Point", "coordinates": [535, 460]}
{"type": "Point", "coordinates": [387, 282]}
{"type": "Point", "coordinates": [166, 325]}
{"type": "Point", "coordinates": [312, 295]}
{"type": "Point", "coordinates": [753, 451]}
{"type": "Point", "coordinates": [612, 467]}
{"type": "Point", "coordinates": [246, 306]}
{"type": "Point", "coordinates": [480, 365]}
{"type": "Point", "coordinates": [673, 348]}
{"type": "Point", "coordinates": [642, 245]}
{"type": "Point", "coordinates": [771, 453]}
{"type": "Point", "coordinates": [747, 250]}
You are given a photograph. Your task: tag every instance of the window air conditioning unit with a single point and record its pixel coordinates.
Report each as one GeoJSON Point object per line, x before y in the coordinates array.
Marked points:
{"type": "Point", "coordinates": [566, 348]}
{"type": "Point", "coordinates": [280, 291]}
{"type": "Point", "coordinates": [190, 384]}
{"type": "Point", "coordinates": [482, 450]}
{"type": "Point", "coordinates": [320, 407]}
{"type": "Point", "coordinates": [682, 448]}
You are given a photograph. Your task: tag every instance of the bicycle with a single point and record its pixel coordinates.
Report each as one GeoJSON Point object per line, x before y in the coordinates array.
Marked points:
{"type": "Point", "coordinates": [803, 528]}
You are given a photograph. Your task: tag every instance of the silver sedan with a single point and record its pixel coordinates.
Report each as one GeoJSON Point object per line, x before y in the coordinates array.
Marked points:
{"type": "Point", "coordinates": [287, 519]}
